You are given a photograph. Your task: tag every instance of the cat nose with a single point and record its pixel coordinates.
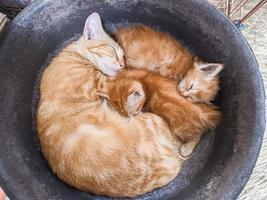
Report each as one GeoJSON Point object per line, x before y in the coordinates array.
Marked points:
{"type": "Point", "coordinates": [183, 93]}
{"type": "Point", "coordinates": [122, 64]}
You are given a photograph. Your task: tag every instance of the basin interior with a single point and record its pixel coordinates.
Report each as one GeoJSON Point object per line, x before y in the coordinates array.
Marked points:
{"type": "Point", "coordinates": [221, 163]}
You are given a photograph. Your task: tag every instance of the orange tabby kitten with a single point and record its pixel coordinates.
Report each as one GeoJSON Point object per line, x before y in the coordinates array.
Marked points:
{"type": "Point", "coordinates": [149, 49]}
{"type": "Point", "coordinates": [88, 144]}
{"type": "Point", "coordinates": [131, 89]}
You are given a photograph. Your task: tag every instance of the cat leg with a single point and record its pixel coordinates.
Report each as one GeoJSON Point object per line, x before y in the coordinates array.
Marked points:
{"type": "Point", "coordinates": [187, 148]}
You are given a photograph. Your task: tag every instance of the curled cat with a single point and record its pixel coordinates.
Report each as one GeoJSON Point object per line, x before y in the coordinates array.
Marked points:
{"type": "Point", "coordinates": [146, 48]}
{"type": "Point", "coordinates": [89, 145]}
{"type": "Point", "coordinates": [131, 90]}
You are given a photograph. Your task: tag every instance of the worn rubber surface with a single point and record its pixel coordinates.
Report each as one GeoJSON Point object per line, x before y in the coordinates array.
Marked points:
{"type": "Point", "coordinates": [221, 164]}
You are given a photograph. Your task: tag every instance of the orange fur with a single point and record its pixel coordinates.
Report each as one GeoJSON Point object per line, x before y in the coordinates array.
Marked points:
{"type": "Point", "coordinates": [198, 81]}
{"type": "Point", "coordinates": [149, 49]}
{"type": "Point", "coordinates": [92, 147]}
{"type": "Point", "coordinates": [187, 120]}
{"type": "Point", "coordinates": [86, 143]}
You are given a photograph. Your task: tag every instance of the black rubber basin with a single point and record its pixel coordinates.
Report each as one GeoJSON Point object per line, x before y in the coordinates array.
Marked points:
{"type": "Point", "coordinates": [224, 159]}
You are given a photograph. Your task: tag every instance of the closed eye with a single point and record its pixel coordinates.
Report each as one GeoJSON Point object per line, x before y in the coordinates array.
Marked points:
{"type": "Point", "coordinates": [104, 50]}
{"type": "Point", "coordinates": [190, 97]}
{"type": "Point", "coordinates": [191, 86]}
{"type": "Point", "coordinates": [114, 52]}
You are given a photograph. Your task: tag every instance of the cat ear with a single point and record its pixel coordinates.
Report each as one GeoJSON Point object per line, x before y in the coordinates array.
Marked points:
{"type": "Point", "coordinates": [102, 93]}
{"type": "Point", "coordinates": [211, 70]}
{"type": "Point", "coordinates": [134, 98]}
{"type": "Point", "coordinates": [133, 103]}
{"type": "Point", "coordinates": [93, 27]}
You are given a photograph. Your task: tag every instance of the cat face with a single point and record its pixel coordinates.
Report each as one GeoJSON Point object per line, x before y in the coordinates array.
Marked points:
{"type": "Point", "coordinates": [201, 83]}
{"type": "Point", "coordinates": [100, 48]}
{"type": "Point", "coordinates": [124, 95]}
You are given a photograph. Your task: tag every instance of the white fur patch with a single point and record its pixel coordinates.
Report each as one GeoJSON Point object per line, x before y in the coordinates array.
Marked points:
{"type": "Point", "coordinates": [95, 137]}
{"type": "Point", "coordinates": [146, 148]}
{"type": "Point", "coordinates": [53, 129]}
{"type": "Point", "coordinates": [91, 130]}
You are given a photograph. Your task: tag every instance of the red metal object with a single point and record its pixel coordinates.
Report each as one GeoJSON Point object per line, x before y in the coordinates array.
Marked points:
{"type": "Point", "coordinates": [231, 8]}
{"type": "Point", "coordinates": [219, 4]}
{"type": "Point", "coordinates": [257, 7]}
{"type": "Point", "coordinates": [238, 7]}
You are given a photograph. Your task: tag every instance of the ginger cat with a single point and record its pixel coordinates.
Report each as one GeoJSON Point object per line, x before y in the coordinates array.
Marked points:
{"type": "Point", "coordinates": [89, 145]}
{"type": "Point", "coordinates": [146, 48]}
{"type": "Point", "coordinates": [149, 49]}
{"type": "Point", "coordinates": [131, 89]}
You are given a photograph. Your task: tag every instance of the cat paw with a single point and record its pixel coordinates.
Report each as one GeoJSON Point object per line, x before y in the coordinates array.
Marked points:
{"type": "Point", "coordinates": [185, 152]}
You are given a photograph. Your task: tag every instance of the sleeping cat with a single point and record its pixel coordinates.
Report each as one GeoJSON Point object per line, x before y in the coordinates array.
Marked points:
{"type": "Point", "coordinates": [156, 51]}
{"type": "Point", "coordinates": [130, 90]}
{"type": "Point", "coordinates": [149, 49]}
{"type": "Point", "coordinates": [89, 145]}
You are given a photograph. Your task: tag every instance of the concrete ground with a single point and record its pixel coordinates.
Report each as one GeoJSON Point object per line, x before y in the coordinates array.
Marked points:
{"type": "Point", "coordinates": [256, 35]}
